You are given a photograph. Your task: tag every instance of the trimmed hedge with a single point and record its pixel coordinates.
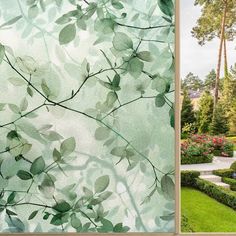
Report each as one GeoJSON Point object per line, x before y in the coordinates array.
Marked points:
{"type": "Point", "coordinates": [221, 194]}
{"type": "Point", "coordinates": [233, 166]}
{"type": "Point", "coordinates": [224, 172]}
{"type": "Point", "coordinates": [188, 177]}
{"type": "Point", "coordinates": [231, 182]}
{"type": "Point", "coordinates": [196, 159]}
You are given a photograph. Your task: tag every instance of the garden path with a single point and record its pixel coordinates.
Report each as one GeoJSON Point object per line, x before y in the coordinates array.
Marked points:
{"type": "Point", "coordinates": [207, 168]}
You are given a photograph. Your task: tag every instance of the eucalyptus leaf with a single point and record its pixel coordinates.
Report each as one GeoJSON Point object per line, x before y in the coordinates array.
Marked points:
{"type": "Point", "coordinates": [160, 100]}
{"type": "Point", "coordinates": [67, 34]}
{"type": "Point", "coordinates": [122, 41]}
{"type": "Point", "coordinates": [67, 146]}
{"type": "Point", "coordinates": [135, 67]}
{"type": "Point", "coordinates": [101, 183]}
{"type": "Point", "coordinates": [37, 166]}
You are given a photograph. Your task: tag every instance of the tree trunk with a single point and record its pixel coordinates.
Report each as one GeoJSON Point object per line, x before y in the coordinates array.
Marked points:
{"type": "Point", "coordinates": [225, 59]}
{"type": "Point", "coordinates": [222, 36]}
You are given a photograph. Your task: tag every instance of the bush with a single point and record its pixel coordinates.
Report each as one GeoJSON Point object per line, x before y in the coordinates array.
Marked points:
{"type": "Point", "coordinates": [195, 153]}
{"type": "Point", "coordinates": [220, 194]}
{"type": "Point", "coordinates": [223, 172]}
{"type": "Point", "coordinates": [188, 177]}
{"type": "Point", "coordinates": [222, 147]}
{"type": "Point", "coordinates": [233, 166]}
{"type": "Point", "coordinates": [231, 182]}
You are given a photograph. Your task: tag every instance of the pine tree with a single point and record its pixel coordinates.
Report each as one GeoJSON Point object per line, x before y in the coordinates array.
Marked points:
{"type": "Point", "coordinates": [232, 118]}
{"type": "Point", "coordinates": [187, 113]}
{"type": "Point", "coordinates": [219, 123]}
{"type": "Point", "coordinates": [205, 112]}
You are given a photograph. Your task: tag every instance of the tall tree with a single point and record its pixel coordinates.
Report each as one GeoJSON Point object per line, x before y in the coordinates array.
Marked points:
{"type": "Point", "coordinates": [191, 82]}
{"type": "Point", "coordinates": [218, 19]}
{"type": "Point", "coordinates": [209, 82]}
{"type": "Point", "coordinates": [187, 113]}
{"type": "Point", "coordinates": [205, 112]}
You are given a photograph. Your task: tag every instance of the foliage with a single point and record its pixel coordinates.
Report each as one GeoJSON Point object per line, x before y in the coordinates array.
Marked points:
{"type": "Point", "coordinates": [188, 178]}
{"type": "Point", "coordinates": [232, 118]}
{"type": "Point", "coordinates": [191, 82]}
{"type": "Point", "coordinates": [230, 181]}
{"type": "Point", "coordinates": [209, 82]}
{"type": "Point", "coordinates": [204, 117]}
{"type": "Point", "coordinates": [187, 113]}
{"type": "Point", "coordinates": [219, 124]}
{"type": "Point", "coordinates": [109, 79]}
{"type": "Point", "coordinates": [223, 172]}
{"type": "Point", "coordinates": [221, 194]}
{"type": "Point", "coordinates": [194, 205]}
{"type": "Point", "coordinates": [206, 28]}
{"type": "Point", "coordinates": [194, 153]}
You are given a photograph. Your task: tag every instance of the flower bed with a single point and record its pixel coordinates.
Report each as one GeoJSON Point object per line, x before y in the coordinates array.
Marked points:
{"type": "Point", "coordinates": [202, 148]}
{"type": "Point", "coordinates": [194, 153]}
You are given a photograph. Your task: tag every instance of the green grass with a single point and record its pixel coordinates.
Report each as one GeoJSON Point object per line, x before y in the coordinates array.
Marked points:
{"type": "Point", "coordinates": [205, 214]}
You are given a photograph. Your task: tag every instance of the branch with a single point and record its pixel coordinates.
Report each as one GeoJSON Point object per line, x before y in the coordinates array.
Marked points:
{"type": "Point", "coordinates": [144, 28]}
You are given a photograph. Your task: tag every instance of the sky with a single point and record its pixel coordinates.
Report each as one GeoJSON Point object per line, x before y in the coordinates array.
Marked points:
{"type": "Point", "coordinates": [195, 58]}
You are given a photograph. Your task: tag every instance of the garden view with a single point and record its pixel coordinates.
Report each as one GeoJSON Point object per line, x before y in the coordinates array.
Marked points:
{"type": "Point", "coordinates": [208, 117]}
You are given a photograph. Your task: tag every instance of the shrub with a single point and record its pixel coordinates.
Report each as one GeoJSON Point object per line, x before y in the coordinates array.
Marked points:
{"type": "Point", "coordinates": [188, 177]}
{"type": "Point", "coordinates": [223, 172]}
{"type": "Point", "coordinates": [221, 194]}
{"type": "Point", "coordinates": [222, 147]}
{"type": "Point", "coordinates": [233, 166]}
{"type": "Point", "coordinates": [231, 182]}
{"type": "Point", "coordinates": [194, 153]}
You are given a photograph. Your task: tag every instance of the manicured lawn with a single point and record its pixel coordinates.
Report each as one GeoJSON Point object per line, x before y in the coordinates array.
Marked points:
{"type": "Point", "coordinates": [205, 214]}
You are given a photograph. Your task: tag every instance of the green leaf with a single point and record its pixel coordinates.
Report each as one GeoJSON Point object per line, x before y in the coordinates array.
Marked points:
{"type": "Point", "coordinates": [116, 81]}
{"type": "Point", "coordinates": [45, 88]}
{"type": "Point", "coordinates": [88, 193]}
{"type": "Point", "coordinates": [117, 5]}
{"type": "Point", "coordinates": [24, 175]}
{"type": "Point", "coordinates": [47, 187]}
{"type": "Point", "coordinates": [62, 207]}
{"type": "Point", "coordinates": [160, 100]}
{"type": "Point", "coordinates": [10, 213]}
{"type": "Point", "coordinates": [11, 21]}
{"type": "Point", "coordinates": [2, 52]}
{"type": "Point", "coordinates": [105, 25]}
{"type": "Point", "coordinates": [111, 99]}
{"type": "Point", "coordinates": [102, 133]}
{"type": "Point", "coordinates": [75, 221]}
{"type": "Point", "coordinates": [53, 136]}
{"type": "Point", "coordinates": [168, 186]}
{"type": "Point", "coordinates": [11, 197]}
{"type": "Point", "coordinates": [166, 6]}
{"type": "Point", "coordinates": [56, 220]}
{"type": "Point", "coordinates": [145, 56]}
{"type": "Point", "coordinates": [30, 91]}
{"type": "Point", "coordinates": [16, 224]}
{"type": "Point", "coordinates": [56, 155]}
{"type": "Point", "coordinates": [101, 183]}
{"type": "Point", "coordinates": [81, 24]}
{"type": "Point", "coordinates": [33, 11]}
{"type": "Point", "coordinates": [67, 146]}
{"type": "Point", "coordinates": [119, 151]}
{"type": "Point", "coordinates": [135, 67]}
{"type": "Point", "coordinates": [14, 108]}
{"type": "Point", "coordinates": [16, 81]}
{"type": "Point", "coordinates": [172, 117]}
{"type": "Point", "coordinates": [119, 228]}
{"type": "Point", "coordinates": [24, 104]}
{"type": "Point", "coordinates": [32, 215]}
{"type": "Point", "coordinates": [122, 42]}
{"type": "Point", "coordinates": [3, 182]}
{"type": "Point", "coordinates": [12, 135]}
{"type": "Point", "coordinates": [37, 166]}
{"type": "Point", "coordinates": [67, 34]}
{"type": "Point", "coordinates": [107, 226]}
